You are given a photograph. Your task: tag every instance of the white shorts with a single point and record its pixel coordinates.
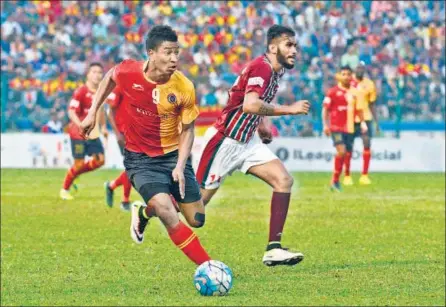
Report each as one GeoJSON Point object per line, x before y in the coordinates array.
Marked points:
{"type": "Point", "coordinates": [222, 155]}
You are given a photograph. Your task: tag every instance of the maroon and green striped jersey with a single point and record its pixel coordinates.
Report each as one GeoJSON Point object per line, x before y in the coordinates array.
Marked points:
{"type": "Point", "coordinates": [258, 76]}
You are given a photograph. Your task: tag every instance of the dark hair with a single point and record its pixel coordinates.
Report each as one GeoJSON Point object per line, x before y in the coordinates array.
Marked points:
{"type": "Point", "coordinates": [159, 34]}
{"type": "Point", "coordinates": [345, 67]}
{"type": "Point", "coordinates": [94, 64]}
{"type": "Point", "coordinates": [276, 31]}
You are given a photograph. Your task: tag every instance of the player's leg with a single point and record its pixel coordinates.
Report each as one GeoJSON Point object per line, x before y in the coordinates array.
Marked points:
{"type": "Point", "coordinates": [218, 159]}
{"type": "Point", "coordinates": [274, 173]}
{"type": "Point", "coordinates": [154, 184]}
{"type": "Point", "coordinates": [339, 143]}
{"type": "Point", "coordinates": [348, 155]}
{"type": "Point", "coordinates": [110, 186]}
{"type": "Point", "coordinates": [78, 152]}
{"type": "Point", "coordinates": [96, 151]}
{"type": "Point", "coordinates": [366, 154]}
{"type": "Point", "coordinates": [191, 206]}
{"type": "Point", "coordinates": [349, 142]}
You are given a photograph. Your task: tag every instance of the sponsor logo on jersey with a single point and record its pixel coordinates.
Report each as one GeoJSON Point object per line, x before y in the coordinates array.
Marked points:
{"type": "Point", "coordinates": [256, 81]}
{"type": "Point", "coordinates": [137, 87]}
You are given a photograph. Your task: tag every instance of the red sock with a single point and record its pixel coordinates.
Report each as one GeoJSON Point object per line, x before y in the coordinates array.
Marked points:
{"type": "Point", "coordinates": [186, 240]}
{"type": "Point", "coordinates": [118, 181]}
{"type": "Point", "coordinates": [69, 178]}
{"type": "Point", "coordinates": [279, 210]}
{"type": "Point", "coordinates": [366, 161]}
{"type": "Point", "coordinates": [339, 160]}
{"type": "Point", "coordinates": [347, 160]}
{"type": "Point", "coordinates": [127, 188]}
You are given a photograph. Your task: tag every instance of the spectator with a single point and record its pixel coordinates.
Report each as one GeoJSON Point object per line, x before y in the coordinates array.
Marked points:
{"type": "Point", "coordinates": [55, 124]}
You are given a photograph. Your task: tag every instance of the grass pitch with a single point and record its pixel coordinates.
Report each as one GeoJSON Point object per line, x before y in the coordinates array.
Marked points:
{"type": "Point", "coordinates": [377, 245]}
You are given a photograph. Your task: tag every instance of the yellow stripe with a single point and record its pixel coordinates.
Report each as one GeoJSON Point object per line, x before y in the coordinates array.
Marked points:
{"type": "Point", "coordinates": [188, 240]}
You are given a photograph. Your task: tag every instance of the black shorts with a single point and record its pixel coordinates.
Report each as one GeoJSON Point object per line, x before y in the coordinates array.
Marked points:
{"type": "Point", "coordinates": [82, 148]}
{"type": "Point", "coordinates": [369, 128]}
{"type": "Point", "coordinates": [343, 138]}
{"type": "Point", "coordinates": [151, 176]}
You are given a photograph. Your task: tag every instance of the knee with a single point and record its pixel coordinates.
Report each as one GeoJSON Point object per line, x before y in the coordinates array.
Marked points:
{"type": "Point", "coordinates": [100, 160]}
{"type": "Point", "coordinates": [161, 209]}
{"type": "Point", "coordinates": [78, 164]}
{"type": "Point", "coordinates": [341, 151]}
{"type": "Point", "coordinates": [197, 221]}
{"type": "Point", "coordinates": [283, 181]}
{"type": "Point", "coordinates": [366, 142]}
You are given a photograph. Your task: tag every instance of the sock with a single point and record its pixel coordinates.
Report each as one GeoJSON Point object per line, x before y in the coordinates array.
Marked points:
{"type": "Point", "coordinates": [127, 188]}
{"type": "Point", "coordinates": [118, 181]}
{"type": "Point", "coordinates": [186, 240]}
{"type": "Point", "coordinates": [366, 161]}
{"type": "Point", "coordinates": [339, 160]}
{"type": "Point", "coordinates": [72, 173]}
{"type": "Point", "coordinates": [279, 210]}
{"type": "Point", "coordinates": [347, 160]}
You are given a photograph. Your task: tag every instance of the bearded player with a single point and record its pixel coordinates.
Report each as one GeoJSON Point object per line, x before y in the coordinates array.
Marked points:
{"type": "Point", "coordinates": [156, 97]}
{"type": "Point", "coordinates": [231, 143]}
{"type": "Point", "coordinates": [80, 148]}
{"type": "Point", "coordinates": [366, 93]}
{"type": "Point", "coordinates": [116, 116]}
{"type": "Point", "coordinates": [338, 115]}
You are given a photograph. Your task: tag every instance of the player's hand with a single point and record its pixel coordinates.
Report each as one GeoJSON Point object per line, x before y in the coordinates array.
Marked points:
{"type": "Point", "coordinates": [104, 132]}
{"type": "Point", "coordinates": [120, 139]}
{"type": "Point", "coordinates": [178, 176]}
{"type": "Point", "coordinates": [364, 127]}
{"type": "Point", "coordinates": [88, 125]}
{"type": "Point", "coordinates": [327, 131]}
{"type": "Point", "coordinates": [300, 107]}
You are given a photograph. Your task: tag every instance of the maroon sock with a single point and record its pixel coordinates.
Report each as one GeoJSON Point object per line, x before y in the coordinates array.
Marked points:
{"type": "Point", "coordinates": [279, 210]}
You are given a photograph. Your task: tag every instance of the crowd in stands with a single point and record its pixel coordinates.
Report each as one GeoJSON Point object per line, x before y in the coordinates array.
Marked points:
{"type": "Point", "coordinates": [47, 45]}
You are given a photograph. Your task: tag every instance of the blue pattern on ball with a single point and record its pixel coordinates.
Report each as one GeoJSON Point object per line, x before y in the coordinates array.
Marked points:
{"type": "Point", "coordinates": [213, 278]}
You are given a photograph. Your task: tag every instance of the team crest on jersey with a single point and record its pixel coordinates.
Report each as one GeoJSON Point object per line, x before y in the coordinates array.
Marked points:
{"type": "Point", "coordinates": [172, 98]}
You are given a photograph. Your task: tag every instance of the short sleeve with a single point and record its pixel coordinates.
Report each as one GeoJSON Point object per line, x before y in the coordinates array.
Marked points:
{"type": "Point", "coordinates": [76, 100]}
{"type": "Point", "coordinates": [372, 92]}
{"type": "Point", "coordinates": [114, 98]}
{"type": "Point", "coordinates": [258, 79]}
{"type": "Point", "coordinates": [327, 100]}
{"type": "Point", "coordinates": [189, 111]}
{"type": "Point", "coordinates": [118, 71]}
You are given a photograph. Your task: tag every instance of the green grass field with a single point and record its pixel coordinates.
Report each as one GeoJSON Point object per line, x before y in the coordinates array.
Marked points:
{"type": "Point", "coordinates": [377, 245]}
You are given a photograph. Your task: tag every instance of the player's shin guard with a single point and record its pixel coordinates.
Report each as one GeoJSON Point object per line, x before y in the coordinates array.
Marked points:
{"type": "Point", "coordinates": [186, 240]}
{"type": "Point", "coordinates": [279, 210]}
{"type": "Point", "coordinates": [338, 162]}
{"type": "Point", "coordinates": [347, 160]}
{"type": "Point", "coordinates": [366, 161]}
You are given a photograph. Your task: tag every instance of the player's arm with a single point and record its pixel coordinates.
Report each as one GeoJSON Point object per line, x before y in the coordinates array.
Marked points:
{"type": "Point", "coordinates": [105, 88]}
{"type": "Point", "coordinates": [252, 104]}
{"type": "Point", "coordinates": [359, 110]}
{"type": "Point", "coordinates": [372, 106]}
{"type": "Point", "coordinates": [325, 114]}
{"type": "Point", "coordinates": [74, 108]}
{"type": "Point", "coordinates": [189, 113]}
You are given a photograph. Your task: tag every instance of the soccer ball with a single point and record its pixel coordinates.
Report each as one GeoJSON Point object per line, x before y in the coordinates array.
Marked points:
{"type": "Point", "coordinates": [213, 278]}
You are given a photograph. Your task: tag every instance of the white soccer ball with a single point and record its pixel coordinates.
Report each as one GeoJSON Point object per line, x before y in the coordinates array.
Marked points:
{"type": "Point", "coordinates": [213, 278]}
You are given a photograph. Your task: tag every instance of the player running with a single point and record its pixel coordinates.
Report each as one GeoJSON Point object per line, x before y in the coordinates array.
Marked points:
{"type": "Point", "coordinates": [77, 111]}
{"type": "Point", "coordinates": [338, 115]}
{"type": "Point", "coordinates": [156, 96]}
{"type": "Point", "coordinates": [366, 92]}
{"type": "Point", "coordinates": [231, 143]}
{"type": "Point", "coordinates": [116, 116]}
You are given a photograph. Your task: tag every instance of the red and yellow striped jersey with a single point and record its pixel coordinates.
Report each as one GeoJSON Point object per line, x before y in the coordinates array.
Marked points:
{"type": "Point", "coordinates": [153, 111]}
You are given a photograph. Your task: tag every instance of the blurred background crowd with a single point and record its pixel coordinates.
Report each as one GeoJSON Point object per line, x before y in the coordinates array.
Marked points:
{"type": "Point", "coordinates": [47, 45]}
